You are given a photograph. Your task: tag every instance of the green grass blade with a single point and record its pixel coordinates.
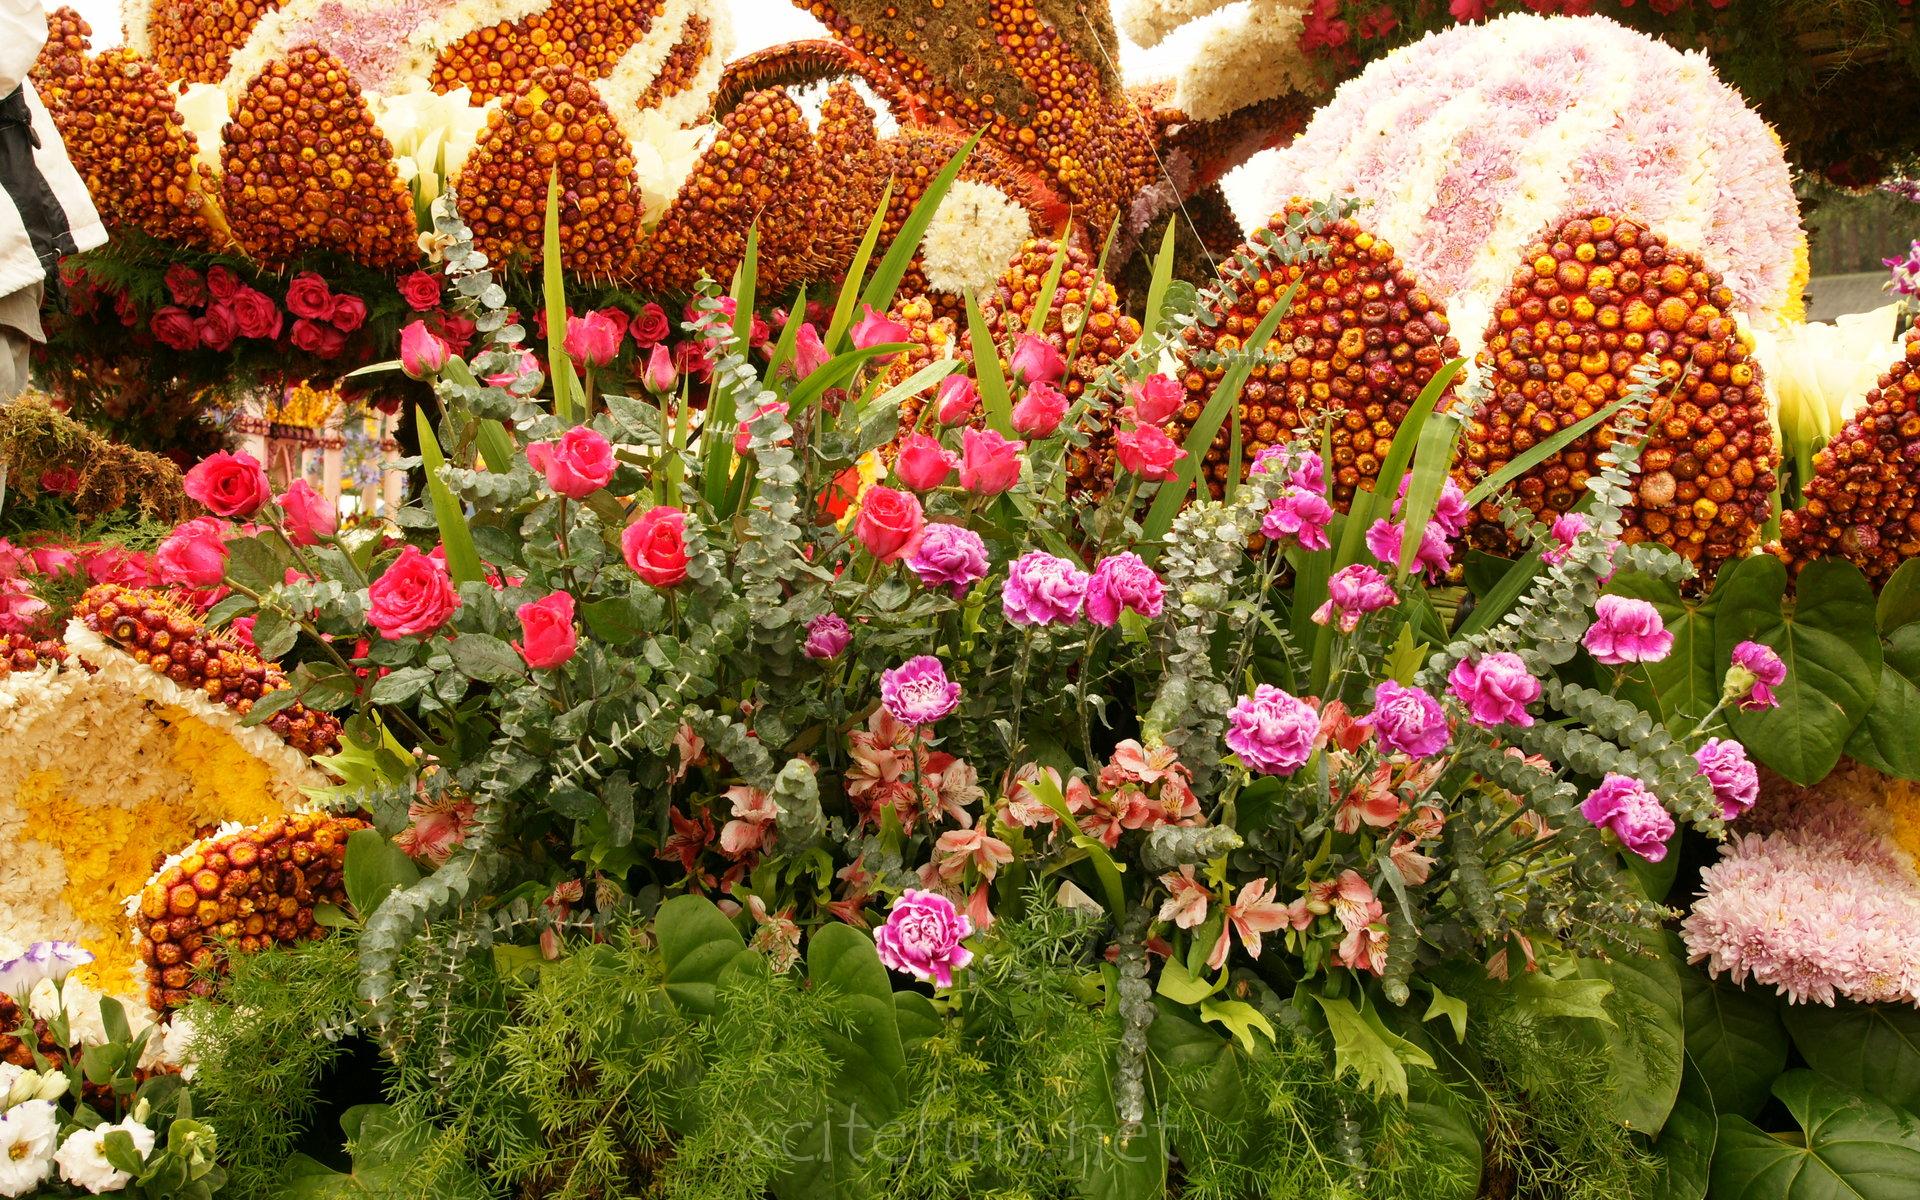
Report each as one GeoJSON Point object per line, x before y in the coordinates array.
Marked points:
{"type": "Point", "coordinates": [917, 382]}
{"type": "Point", "coordinates": [1049, 286]}
{"type": "Point", "coordinates": [1430, 466]}
{"type": "Point", "coordinates": [848, 300]}
{"type": "Point", "coordinates": [1162, 278]}
{"type": "Point", "coordinates": [789, 337]}
{"type": "Point", "coordinates": [1540, 452]}
{"type": "Point", "coordinates": [463, 558]}
{"type": "Point", "coordinates": [554, 289]}
{"type": "Point", "coordinates": [893, 266]}
{"type": "Point", "coordinates": [836, 371]}
{"type": "Point", "coordinates": [1173, 493]}
{"type": "Point", "coordinates": [1367, 505]}
{"type": "Point", "coordinates": [716, 440]}
{"type": "Point", "coordinates": [995, 399]}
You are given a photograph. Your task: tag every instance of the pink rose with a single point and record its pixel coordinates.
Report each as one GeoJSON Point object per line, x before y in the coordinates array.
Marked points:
{"type": "Point", "coordinates": [1624, 806]}
{"type": "Point", "coordinates": [548, 637]}
{"type": "Point", "coordinates": [256, 315]}
{"type": "Point", "coordinates": [923, 464]}
{"type": "Point", "coordinates": [1040, 411]}
{"type": "Point", "coordinates": [20, 610]}
{"type": "Point", "coordinates": [175, 328]}
{"type": "Point", "coordinates": [1156, 398]}
{"type": "Point", "coordinates": [54, 561]}
{"type": "Point", "coordinates": [308, 296]}
{"type": "Point", "coordinates": [576, 466]}
{"type": "Point", "coordinates": [194, 554]}
{"type": "Point", "coordinates": [421, 290]}
{"type": "Point", "coordinates": [655, 546]}
{"type": "Point", "coordinates": [809, 352]}
{"type": "Point", "coordinates": [347, 313]}
{"type": "Point", "coordinates": [526, 365]}
{"type": "Point", "coordinates": [309, 517]}
{"type": "Point", "coordinates": [874, 329]}
{"type": "Point", "coordinates": [414, 596]}
{"type": "Point", "coordinates": [230, 485]}
{"type": "Point", "coordinates": [989, 463]}
{"type": "Point", "coordinates": [1496, 689]}
{"type": "Point", "coordinates": [890, 523]}
{"type": "Point", "coordinates": [649, 326]}
{"type": "Point", "coordinates": [185, 285]}
{"type": "Point", "coordinates": [592, 340]}
{"type": "Point", "coordinates": [117, 564]}
{"type": "Point", "coordinates": [660, 374]}
{"type": "Point", "coordinates": [1627, 631]}
{"type": "Point", "coordinates": [218, 328]}
{"type": "Point", "coordinates": [1148, 452]}
{"type": "Point", "coordinates": [1036, 361]}
{"type": "Point", "coordinates": [423, 354]}
{"type": "Point", "coordinates": [958, 396]}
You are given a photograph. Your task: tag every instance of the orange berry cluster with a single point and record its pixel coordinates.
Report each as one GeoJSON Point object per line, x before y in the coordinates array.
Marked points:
{"type": "Point", "coordinates": [761, 167]}
{"type": "Point", "coordinates": [305, 168]}
{"type": "Point", "coordinates": [160, 634]}
{"type": "Point", "coordinates": [244, 891]}
{"type": "Point", "coordinates": [18, 1051]}
{"type": "Point", "coordinates": [1357, 345]}
{"type": "Point", "coordinates": [1863, 502]}
{"type": "Point", "coordinates": [1598, 296]}
{"type": "Point", "coordinates": [556, 122]}
{"type": "Point", "coordinates": [931, 333]}
{"type": "Point", "coordinates": [68, 39]}
{"type": "Point", "coordinates": [682, 66]}
{"type": "Point", "coordinates": [194, 40]}
{"type": "Point", "coordinates": [23, 652]}
{"type": "Point", "coordinates": [851, 162]}
{"type": "Point", "coordinates": [131, 145]}
{"type": "Point", "coordinates": [587, 36]}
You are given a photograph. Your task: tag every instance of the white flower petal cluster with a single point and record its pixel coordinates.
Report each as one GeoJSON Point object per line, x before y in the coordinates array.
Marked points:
{"type": "Point", "coordinates": [974, 233]}
{"type": "Point", "coordinates": [82, 1158]}
{"type": "Point", "coordinates": [27, 1135]}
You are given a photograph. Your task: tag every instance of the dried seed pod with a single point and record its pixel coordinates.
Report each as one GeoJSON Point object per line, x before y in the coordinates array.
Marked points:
{"type": "Point", "coordinates": [1863, 502]}
{"type": "Point", "coordinates": [160, 633]}
{"type": "Point", "coordinates": [193, 40]}
{"type": "Point", "coordinates": [586, 36]}
{"type": "Point", "coordinates": [69, 37]}
{"type": "Point", "coordinates": [684, 62]}
{"type": "Point", "coordinates": [1597, 296]}
{"type": "Point", "coordinates": [23, 652]}
{"type": "Point", "coordinates": [1357, 345]}
{"type": "Point", "coordinates": [129, 142]}
{"type": "Point", "coordinates": [761, 167]}
{"type": "Point", "coordinates": [851, 171]}
{"type": "Point", "coordinates": [238, 892]}
{"type": "Point", "coordinates": [556, 122]}
{"type": "Point", "coordinates": [304, 168]}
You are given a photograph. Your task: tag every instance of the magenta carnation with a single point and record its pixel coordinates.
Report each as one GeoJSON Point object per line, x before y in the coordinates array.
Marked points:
{"type": "Point", "coordinates": [1352, 593]}
{"type": "Point", "coordinates": [923, 936]}
{"type": "Point", "coordinates": [1271, 731]}
{"type": "Point", "coordinates": [951, 556]}
{"type": "Point", "coordinates": [1756, 671]}
{"type": "Point", "coordinates": [1735, 780]}
{"type": "Point", "coordinates": [1624, 805]}
{"type": "Point", "coordinates": [1300, 515]}
{"type": "Point", "coordinates": [918, 692]}
{"type": "Point", "coordinates": [1123, 581]}
{"type": "Point", "coordinates": [1043, 590]}
{"type": "Point", "coordinates": [1433, 555]}
{"type": "Point", "coordinates": [1625, 630]}
{"type": "Point", "coordinates": [1566, 530]}
{"type": "Point", "coordinates": [1496, 690]}
{"type": "Point", "coordinates": [1407, 719]}
{"type": "Point", "coordinates": [827, 636]}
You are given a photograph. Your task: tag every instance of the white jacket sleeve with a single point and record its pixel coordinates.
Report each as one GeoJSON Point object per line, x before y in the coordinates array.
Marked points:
{"type": "Point", "coordinates": [23, 31]}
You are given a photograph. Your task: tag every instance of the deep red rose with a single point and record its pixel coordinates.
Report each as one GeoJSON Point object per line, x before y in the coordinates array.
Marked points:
{"type": "Point", "coordinates": [256, 314]}
{"type": "Point", "coordinates": [649, 326]}
{"type": "Point", "coordinates": [421, 290]}
{"type": "Point", "coordinates": [453, 329]}
{"type": "Point", "coordinates": [175, 327]}
{"type": "Point", "coordinates": [126, 309]}
{"type": "Point", "coordinates": [315, 338]}
{"type": "Point", "coordinates": [348, 313]}
{"type": "Point", "coordinates": [222, 283]}
{"type": "Point", "coordinates": [691, 358]}
{"type": "Point", "coordinates": [308, 296]}
{"type": "Point", "coordinates": [620, 319]}
{"type": "Point", "coordinates": [185, 285]}
{"type": "Point", "coordinates": [219, 327]}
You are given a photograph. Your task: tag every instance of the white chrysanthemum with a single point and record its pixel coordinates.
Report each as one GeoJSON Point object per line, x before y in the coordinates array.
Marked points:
{"type": "Point", "coordinates": [1242, 58]}
{"type": "Point", "coordinates": [627, 84]}
{"type": "Point", "coordinates": [83, 1156]}
{"type": "Point", "coordinates": [27, 1135]}
{"type": "Point", "coordinates": [974, 233]}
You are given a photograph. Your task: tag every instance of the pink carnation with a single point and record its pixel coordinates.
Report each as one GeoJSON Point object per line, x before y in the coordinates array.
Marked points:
{"type": "Point", "coordinates": [918, 692]}
{"type": "Point", "coordinates": [1624, 806]}
{"type": "Point", "coordinates": [1433, 555]}
{"type": "Point", "coordinates": [1735, 780]}
{"type": "Point", "coordinates": [923, 936]}
{"type": "Point", "coordinates": [950, 556]}
{"type": "Point", "coordinates": [1756, 671]}
{"type": "Point", "coordinates": [1352, 593]}
{"type": "Point", "coordinates": [827, 636]}
{"type": "Point", "coordinates": [1123, 581]}
{"type": "Point", "coordinates": [1301, 515]}
{"type": "Point", "coordinates": [1271, 731]}
{"type": "Point", "coordinates": [1407, 720]}
{"type": "Point", "coordinates": [1043, 590]}
{"type": "Point", "coordinates": [1496, 690]}
{"type": "Point", "coordinates": [1625, 630]}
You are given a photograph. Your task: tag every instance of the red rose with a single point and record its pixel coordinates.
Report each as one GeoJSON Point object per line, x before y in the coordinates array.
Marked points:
{"type": "Point", "coordinates": [125, 308]}
{"type": "Point", "coordinates": [656, 546]}
{"type": "Point", "coordinates": [256, 315]}
{"type": "Point", "coordinates": [890, 523]}
{"type": "Point", "coordinates": [421, 290]}
{"type": "Point", "coordinates": [60, 481]}
{"type": "Point", "coordinates": [218, 328]}
{"type": "Point", "coordinates": [308, 296]}
{"type": "Point", "coordinates": [413, 596]}
{"type": "Point", "coordinates": [175, 327]}
{"type": "Point", "coordinates": [222, 283]}
{"type": "Point", "coordinates": [692, 360]}
{"type": "Point", "coordinates": [309, 516]}
{"type": "Point", "coordinates": [348, 313]}
{"type": "Point", "coordinates": [620, 319]}
{"type": "Point", "coordinates": [649, 326]}
{"type": "Point", "coordinates": [315, 338]}
{"type": "Point", "coordinates": [923, 464]}
{"type": "Point", "coordinates": [185, 285]}
{"type": "Point", "coordinates": [453, 329]}
{"type": "Point", "coordinates": [230, 485]}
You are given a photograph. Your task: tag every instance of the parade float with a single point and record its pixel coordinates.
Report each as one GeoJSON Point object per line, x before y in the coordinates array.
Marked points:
{"type": "Point", "coordinates": [916, 657]}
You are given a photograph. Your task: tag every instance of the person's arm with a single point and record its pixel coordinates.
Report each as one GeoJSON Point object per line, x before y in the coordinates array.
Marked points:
{"type": "Point", "coordinates": [23, 31]}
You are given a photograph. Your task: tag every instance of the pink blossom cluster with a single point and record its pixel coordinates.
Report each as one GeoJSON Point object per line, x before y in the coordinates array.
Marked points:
{"type": "Point", "coordinates": [1817, 903]}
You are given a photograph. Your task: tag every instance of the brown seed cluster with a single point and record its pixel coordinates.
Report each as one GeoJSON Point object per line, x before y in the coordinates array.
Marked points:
{"type": "Point", "coordinates": [1863, 502]}
{"type": "Point", "coordinates": [683, 62]}
{"type": "Point", "coordinates": [194, 40]}
{"type": "Point", "coordinates": [556, 122]}
{"type": "Point", "coordinates": [304, 168]}
{"type": "Point", "coordinates": [851, 166]}
{"type": "Point", "coordinates": [245, 891]}
{"type": "Point", "coordinates": [23, 652]}
{"type": "Point", "coordinates": [68, 39]}
{"type": "Point", "coordinates": [1357, 345]}
{"type": "Point", "coordinates": [160, 634]}
{"type": "Point", "coordinates": [760, 168]}
{"type": "Point", "coordinates": [131, 145]}
{"type": "Point", "coordinates": [1597, 296]}
{"type": "Point", "coordinates": [586, 36]}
